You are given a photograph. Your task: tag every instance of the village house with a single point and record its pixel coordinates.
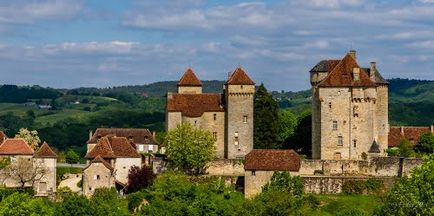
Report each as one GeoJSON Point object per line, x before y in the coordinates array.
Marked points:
{"type": "Point", "coordinates": [412, 134]}
{"type": "Point", "coordinates": [108, 164]}
{"type": "Point", "coordinates": [228, 115]}
{"type": "Point", "coordinates": [28, 168]}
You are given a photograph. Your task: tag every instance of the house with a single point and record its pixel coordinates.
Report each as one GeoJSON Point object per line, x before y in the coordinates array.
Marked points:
{"type": "Point", "coordinates": [349, 110]}
{"type": "Point", "coordinates": [108, 163]}
{"type": "Point", "coordinates": [28, 168]}
{"type": "Point", "coordinates": [228, 115]}
{"type": "Point", "coordinates": [412, 134]}
{"type": "Point", "coordinates": [260, 165]}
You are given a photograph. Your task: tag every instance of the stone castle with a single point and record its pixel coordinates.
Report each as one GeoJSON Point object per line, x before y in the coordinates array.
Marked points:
{"type": "Point", "coordinates": [349, 110]}
{"type": "Point", "coordinates": [229, 115]}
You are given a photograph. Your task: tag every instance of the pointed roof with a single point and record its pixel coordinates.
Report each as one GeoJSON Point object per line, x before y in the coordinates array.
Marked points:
{"type": "Point", "coordinates": [342, 75]}
{"type": "Point", "coordinates": [122, 148]}
{"type": "Point", "coordinates": [375, 148]}
{"type": "Point", "coordinates": [15, 146]}
{"type": "Point", "coordinates": [240, 77]}
{"type": "Point", "coordinates": [189, 79]}
{"type": "Point", "coordinates": [45, 152]}
{"type": "Point", "coordinates": [102, 148]}
{"type": "Point", "coordinates": [99, 159]}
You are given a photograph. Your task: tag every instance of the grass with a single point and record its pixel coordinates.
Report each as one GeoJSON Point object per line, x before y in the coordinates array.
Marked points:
{"type": "Point", "coordinates": [335, 204]}
{"type": "Point", "coordinates": [62, 115]}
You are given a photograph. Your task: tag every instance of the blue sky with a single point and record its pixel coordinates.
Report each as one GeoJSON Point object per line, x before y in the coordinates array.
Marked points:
{"type": "Point", "coordinates": [73, 43]}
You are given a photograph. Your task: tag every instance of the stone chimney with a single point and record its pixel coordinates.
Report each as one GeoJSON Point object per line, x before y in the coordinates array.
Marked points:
{"type": "Point", "coordinates": [90, 134]}
{"type": "Point", "coordinates": [373, 70]}
{"type": "Point", "coordinates": [432, 128]}
{"type": "Point", "coordinates": [402, 130]}
{"type": "Point", "coordinates": [353, 54]}
{"type": "Point", "coordinates": [154, 134]}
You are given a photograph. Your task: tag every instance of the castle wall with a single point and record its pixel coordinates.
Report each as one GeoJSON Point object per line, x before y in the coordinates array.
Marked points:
{"type": "Point", "coordinates": [255, 180]}
{"type": "Point", "coordinates": [382, 113]}
{"type": "Point", "coordinates": [225, 167]}
{"type": "Point", "coordinates": [316, 124]}
{"type": "Point", "coordinates": [190, 89]}
{"type": "Point", "coordinates": [173, 119]}
{"type": "Point", "coordinates": [123, 165]}
{"type": "Point", "coordinates": [333, 184]}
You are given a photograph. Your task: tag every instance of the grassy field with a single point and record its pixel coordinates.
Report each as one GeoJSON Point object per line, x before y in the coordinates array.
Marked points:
{"type": "Point", "coordinates": [62, 115]}
{"type": "Point", "coordinates": [340, 204]}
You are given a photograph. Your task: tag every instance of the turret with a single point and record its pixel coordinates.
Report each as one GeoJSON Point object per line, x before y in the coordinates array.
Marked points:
{"type": "Point", "coordinates": [189, 83]}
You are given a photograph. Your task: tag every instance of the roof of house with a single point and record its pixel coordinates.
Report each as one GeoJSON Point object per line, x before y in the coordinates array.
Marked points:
{"type": "Point", "coordinates": [375, 148]}
{"type": "Point", "coordinates": [325, 65]}
{"type": "Point", "coordinates": [45, 152]}
{"type": "Point", "coordinates": [15, 146]}
{"type": "Point", "coordinates": [99, 159]}
{"type": "Point", "coordinates": [2, 136]}
{"type": "Point", "coordinates": [194, 105]}
{"type": "Point", "coordinates": [239, 77]}
{"type": "Point", "coordinates": [113, 147]}
{"type": "Point", "coordinates": [272, 159]}
{"type": "Point", "coordinates": [137, 135]}
{"type": "Point", "coordinates": [410, 133]}
{"type": "Point", "coordinates": [377, 76]}
{"type": "Point", "coordinates": [189, 79]}
{"type": "Point", "coordinates": [342, 75]}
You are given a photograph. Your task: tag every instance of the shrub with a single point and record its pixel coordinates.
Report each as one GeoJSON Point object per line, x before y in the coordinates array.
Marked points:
{"type": "Point", "coordinates": [353, 187]}
{"type": "Point", "coordinates": [374, 185]}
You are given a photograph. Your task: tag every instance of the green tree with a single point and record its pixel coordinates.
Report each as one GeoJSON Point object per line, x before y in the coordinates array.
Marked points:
{"type": "Point", "coordinates": [190, 148]}
{"type": "Point", "coordinates": [284, 182]}
{"type": "Point", "coordinates": [266, 120]}
{"type": "Point", "coordinates": [412, 195]}
{"type": "Point", "coordinates": [72, 157]}
{"type": "Point", "coordinates": [23, 204]}
{"type": "Point", "coordinates": [31, 137]}
{"type": "Point", "coordinates": [425, 143]}
{"type": "Point", "coordinates": [301, 140]}
{"type": "Point", "coordinates": [405, 148]}
{"type": "Point", "coordinates": [105, 201]}
{"type": "Point", "coordinates": [287, 125]}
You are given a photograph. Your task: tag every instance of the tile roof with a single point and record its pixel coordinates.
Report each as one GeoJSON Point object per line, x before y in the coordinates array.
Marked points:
{"type": "Point", "coordinates": [272, 159]}
{"type": "Point", "coordinates": [189, 79]}
{"type": "Point", "coordinates": [375, 148]}
{"type": "Point", "coordinates": [240, 77]}
{"type": "Point", "coordinates": [410, 133]}
{"type": "Point", "coordinates": [102, 148]}
{"type": "Point", "coordinates": [342, 75]}
{"type": "Point", "coordinates": [45, 152]}
{"type": "Point", "coordinates": [99, 159]}
{"type": "Point", "coordinates": [194, 105]}
{"type": "Point", "coordinates": [137, 135]}
{"type": "Point", "coordinates": [325, 65]}
{"type": "Point", "coordinates": [15, 146]}
{"type": "Point", "coordinates": [122, 148]}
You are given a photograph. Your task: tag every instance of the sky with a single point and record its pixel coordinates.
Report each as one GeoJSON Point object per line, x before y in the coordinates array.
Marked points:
{"type": "Point", "coordinates": [103, 43]}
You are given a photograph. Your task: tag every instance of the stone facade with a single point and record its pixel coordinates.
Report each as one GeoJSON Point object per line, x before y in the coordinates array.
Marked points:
{"type": "Point", "coordinates": [97, 175]}
{"type": "Point", "coordinates": [228, 116]}
{"type": "Point", "coordinates": [349, 110]}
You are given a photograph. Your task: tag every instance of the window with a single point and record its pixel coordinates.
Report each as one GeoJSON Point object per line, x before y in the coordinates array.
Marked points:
{"type": "Point", "coordinates": [340, 141]}
{"type": "Point", "coordinates": [13, 159]}
{"type": "Point", "coordinates": [355, 143]}
{"type": "Point", "coordinates": [236, 138]}
{"type": "Point", "coordinates": [215, 116]}
{"type": "Point", "coordinates": [96, 177]}
{"type": "Point", "coordinates": [141, 148]}
{"type": "Point", "coordinates": [245, 118]}
{"type": "Point", "coordinates": [356, 76]}
{"type": "Point", "coordinates": [330, 105]}
{"type": "Point", "coordinates": [355, 111]}
{"type": "Point", "coordinates": [150, 148]}
{"type": "Point", "coordinates": [253, 173]}
{"type": "Point", "coordinates": [242, 86]}
{"type": "Point", "coordinates": [90, 188]}
{"type": "Point", "coordinates": [214, 135]}
{"type": "Point", "coordinates": [335, 125]}
{"type": "Point", "coordinates": [337, 156]}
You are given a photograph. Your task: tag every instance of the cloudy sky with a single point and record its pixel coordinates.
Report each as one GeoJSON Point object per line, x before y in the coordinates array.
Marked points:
{"type": "Point", "coordinates": [106, 43]}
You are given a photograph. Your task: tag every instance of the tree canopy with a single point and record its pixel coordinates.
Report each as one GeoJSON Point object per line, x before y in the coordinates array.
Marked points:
{"type": "Point", "coordinates": [266, 120]}
{"type": "Point", "coordinates": [425, 144]}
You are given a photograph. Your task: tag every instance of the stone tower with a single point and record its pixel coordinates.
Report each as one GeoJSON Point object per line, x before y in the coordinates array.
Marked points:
{"type": "Point", "coordinates": [239, 91]}
{"type": "Point", "coordinates": [349, 110]}
{"type": "Point", "coordinates": [189, 83]}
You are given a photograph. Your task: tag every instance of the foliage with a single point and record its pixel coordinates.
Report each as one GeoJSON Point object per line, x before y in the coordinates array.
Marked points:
{"type": "Point", "coordinates": [392, 152]}
{"type": "Point", "coordinates": [74, 205]}
{"type": "Point", "coordinates": [266, 120]}
{"type": "Point", "coordinates": [105, 201]}
{"type": "Point", "coordinates": [139, 178]}
{"type": "Point", "coordinates": [190, 148]}
{"type": "Point", "coordinates": [374, 185]}
{"type": "Point", "coordinates": [425, 144]}
{"type": "Point", "coordinates": [23, 204]}
{"type": "Point", "coordinates": [31, 137]}
{"type": "Point", "coordinates": [353, 187]}
{"type": "Point", "coordinates": [72, 157]}
{"type": "Point", "coordinates": [405, 148]}
{"type": "Point", "coordinates": [284, 182]}
{"type": "Point", "coordinates": [412, 195]}
{"type": "Point", "coordinates": [287, 125]}
{"type": "Point", "coordinates": [301, 140]}
{"type": "Point", "coordinates": [4, 162]}
{"type": "Point", "coordinates": [364, 156]}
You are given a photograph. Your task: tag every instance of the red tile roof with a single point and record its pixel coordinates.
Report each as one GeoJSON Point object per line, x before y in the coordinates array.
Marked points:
{"type": "Point", "coordinates": [113, 147]}
{"type": "Point", "coordinates": [45, 152]}
{"type": "Point", "coordinates": [342, 75]}
{"type": "Point", "coordinates": [102, 148]}
{"type": "Point", "coordinates": [137, 135]}
{"type": "Point", "coordinates": [99, 159]}
{"type": "Point", "coordinates": [410, 133]}
{"type": "Point", "coordinates": [272, 159]}
{"type": "Point", "coordinates": [194, 105]}
{"type": "Point", "coordinates": [15, 146]}
{"type": "Point", "coordinates": [240, 77]}
{"type": "Point", "coordinates": [189, 79]}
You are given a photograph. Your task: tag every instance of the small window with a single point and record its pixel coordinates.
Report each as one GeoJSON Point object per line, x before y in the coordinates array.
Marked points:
{"type": "Point", "coordinates": [215, 116]}
{"type": "Point", "coordinates": [337, 156]}
{"type": "Point", "coordinates": [96, 177]}
{"type": "Point", "coordinates": [253, 173]}
{"type": "Point", "coordinates": [330, 105]}
{"type": "Point", "coordinates": [141, 148]}
{"type": "Point", "coordinates": [355, 111]}
{"type": "Point", "coordinates": [242, 86]}
{"type": "Point", "coordinates": [245, 118]}
{"type": "Point", "coordinates": [90, 188]}
{"type": "Point", "coordinates": [124, 167]}
{"type": "Point", "coordinates": [355, 143]}
{"type": "Point", "coordinates": [340, 141]}
{"type": "Point", "coordinates": [214, 135]}
{"type": "Point", "coordinates": [236, 138]}
{"type": "Point", "coordinates": [13, 159]}
{"type": "Point", "coordinates": [150, 148]}
{"type": "Point", "coordinates": [335, 125]}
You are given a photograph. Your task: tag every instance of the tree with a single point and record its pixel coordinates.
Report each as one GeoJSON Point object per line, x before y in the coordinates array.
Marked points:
{"type": "Point", "coordinates": [405, 148]}
{"type": "Point", "coordinates": [23, 204]}
{"type": "Point", "coordinates": [190, 148]}
{"type": "Point", "coordinates": [284, 182]}
{"type": "Point", "coordinates": [139, 178]}
{"type": "Point", "coordinates": [301, 140]}
{"type": "Point", "coordinates": [105, 201]}
{"type": "Point", "coordinates": [72, 157]}
{"type": "Point", "coordinates": [287, 125]}
{"type": "Point", "coordinates": [266, 120]}
{"type": "Point", "coordinates": [31, 137]}
{"type": "Point", "coordinates": [26, 171]}
{"type": "Point", "coordinates": [425, 143]}
{"type": "Point", "coordinates": [412, 195]}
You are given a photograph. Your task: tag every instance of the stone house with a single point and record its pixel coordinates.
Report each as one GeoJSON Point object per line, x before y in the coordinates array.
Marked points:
{"type": "Point", "coordinates": [117, 155]}
{"type": "Point", "coordinates": [38, 168]}
{"type": "Point", "coordinates": [260, 165]}
{"type": "Point", "coordinates": [228, 115]}
{"type": "Point", "coordinates": [349, 110]}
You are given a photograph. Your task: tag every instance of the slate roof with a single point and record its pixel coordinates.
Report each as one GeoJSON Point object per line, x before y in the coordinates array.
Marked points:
{"type": "Point", "coordinates": [137, 135]}
{"type": "Point", "coordinates": [15, 146]}
{"type": "Point", "coordinates": [45, 152]}
{"type": "Point", "coordinates": [342, 75]}
{"type": "Point", "coordinates": [194, 105]}
{"type": "Point", "coordinates": [113, 147]}
{"type": "Point", "coordinates": [272, 159]}
{"type": "Point", "coordinates": [410, 133]}
{"type": "Point", "coordinates": [239, 77]}
{"type": "Point", "coordinates": [189, 79]}
{"type": "Point", "coordinates": [375, 148]}
{"type": "Point", "coordinates": [325, 65]}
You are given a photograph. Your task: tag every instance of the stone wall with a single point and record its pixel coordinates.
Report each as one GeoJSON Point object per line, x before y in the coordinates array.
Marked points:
{"type": "Point", "coordinates": [96, 176]}
{"type": "Point", "coordinates": [122, 167]}
{"type": "Point", "coordinates": [333, 184]}
{"type": "Point", "coordinates": [254, 180]}
{"type": "Point", "coordinates": [225, 167]}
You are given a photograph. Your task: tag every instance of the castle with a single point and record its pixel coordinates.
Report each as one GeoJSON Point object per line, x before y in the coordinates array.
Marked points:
{"type": "Point", "coordinates": [229, 115]}
{"type": "Point", "coordinates": [349, 110]}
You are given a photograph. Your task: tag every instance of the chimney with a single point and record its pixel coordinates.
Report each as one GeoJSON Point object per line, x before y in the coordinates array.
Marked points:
{"type": "Point", "coordinates": [90, 134]}
{"type": "Point", "coordinates": [432, 128]}
{"type": "Point", "coordinates": [402, 130]}
{"type": "Point", "coordinates": [373, 70]}
{"type": "Point", "coordinates": [356, 74]}
{"type": "Point", "coordinates": [153, 134]}
{"type": "Point", "coordinates": [353, 54]}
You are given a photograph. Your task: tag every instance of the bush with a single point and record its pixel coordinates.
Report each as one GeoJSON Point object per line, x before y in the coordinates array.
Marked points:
{"type": "Point", "coordinates": [374, 185]}
{"type": "Point", "coordinates": [353, 187]}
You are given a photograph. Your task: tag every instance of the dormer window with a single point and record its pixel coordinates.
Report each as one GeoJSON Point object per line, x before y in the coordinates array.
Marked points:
{"type": "Point", "coordinates": [356, 74]}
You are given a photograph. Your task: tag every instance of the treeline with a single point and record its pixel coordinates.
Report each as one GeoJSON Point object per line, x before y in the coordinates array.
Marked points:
{"type": "Point", "coordinates": [22, 94]}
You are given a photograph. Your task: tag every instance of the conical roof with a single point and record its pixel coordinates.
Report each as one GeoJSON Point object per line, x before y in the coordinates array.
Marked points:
{"type": "Point", "coordinates": [45, 152]}
{"type": "Point", "coordinates": [240, 77]}
{"type": "Point", "coordinates": [189, 79]}
{"type": "Point", "coordinates": [375, 148]}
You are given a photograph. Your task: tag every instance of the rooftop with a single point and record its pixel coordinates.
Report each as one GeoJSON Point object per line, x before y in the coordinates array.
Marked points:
{"type": "Point", "coordinates": [272, 159]}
